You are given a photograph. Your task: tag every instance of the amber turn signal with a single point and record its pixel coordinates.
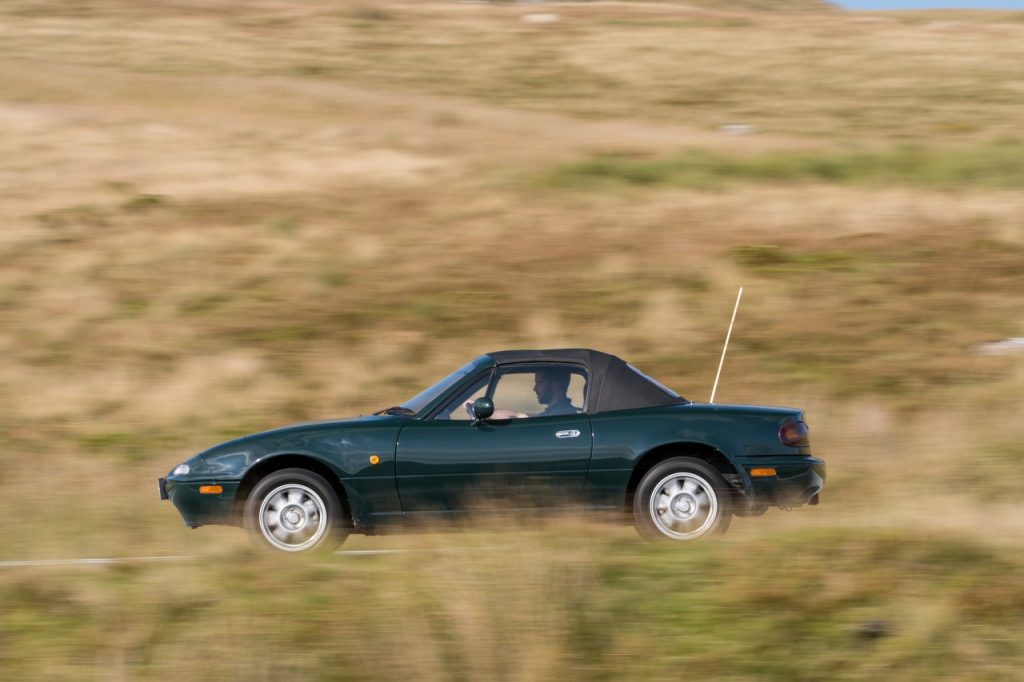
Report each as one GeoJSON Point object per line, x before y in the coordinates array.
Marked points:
{"type": "Point", "coordinates": [761, 473]}
{"type": "Point", "coordinates": [210, 489]}
{"type": "Point", "coordinates": [374, 459]}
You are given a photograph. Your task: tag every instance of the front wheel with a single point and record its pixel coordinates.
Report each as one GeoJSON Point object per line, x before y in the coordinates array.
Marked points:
{"type": "Point", "coordinates": [294, 510]}
{"type": "Point", "coordinates": [682, 499]}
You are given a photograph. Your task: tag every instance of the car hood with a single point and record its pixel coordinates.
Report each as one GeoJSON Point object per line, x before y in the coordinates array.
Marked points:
{"type": "Point", "coordinates": [349, 422]}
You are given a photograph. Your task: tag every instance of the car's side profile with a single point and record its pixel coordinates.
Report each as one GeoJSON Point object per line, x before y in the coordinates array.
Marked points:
{"type": "Point", "coordinates": [570, 428]}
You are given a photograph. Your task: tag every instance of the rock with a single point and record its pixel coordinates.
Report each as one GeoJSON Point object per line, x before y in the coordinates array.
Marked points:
{"type": "Point", "coordinates": [540, 18]}
{"type": "Point", "coordinates": [737, 129]}
{"type": "Point", "coordinates": [1014, 345]}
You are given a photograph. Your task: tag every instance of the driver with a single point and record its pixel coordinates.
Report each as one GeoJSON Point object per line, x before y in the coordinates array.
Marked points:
{"type": "Point", "coordinates": [551, 385]}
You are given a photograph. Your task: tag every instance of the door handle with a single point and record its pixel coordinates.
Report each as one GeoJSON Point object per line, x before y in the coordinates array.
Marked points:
{"type": "Point", "coordinates": [568, 433]}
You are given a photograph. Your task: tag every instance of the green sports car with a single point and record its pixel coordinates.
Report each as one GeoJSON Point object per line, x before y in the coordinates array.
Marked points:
{"type": "Point", "coordinates": [511, 430]}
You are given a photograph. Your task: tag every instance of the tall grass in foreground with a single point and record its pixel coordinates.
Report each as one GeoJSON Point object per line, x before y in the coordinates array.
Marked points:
{"type": "Point", "coordinates": [567, 601]}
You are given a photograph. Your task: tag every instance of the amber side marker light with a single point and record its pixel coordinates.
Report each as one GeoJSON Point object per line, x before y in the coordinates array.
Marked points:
{"type": "Point", "coordinates": [761, 473]}
{"type": "Point", "coordinates": [210, 489]}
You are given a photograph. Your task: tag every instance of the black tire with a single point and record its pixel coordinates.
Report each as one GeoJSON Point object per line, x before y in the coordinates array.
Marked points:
{"type": "Point", "coordinates": [295, 510]}
{"type": "Point", "coordinates": [692, 501]}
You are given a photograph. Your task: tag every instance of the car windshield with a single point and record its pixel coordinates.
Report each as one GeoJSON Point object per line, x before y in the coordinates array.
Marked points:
{"type": "Point", "coordinates": [421, 400]}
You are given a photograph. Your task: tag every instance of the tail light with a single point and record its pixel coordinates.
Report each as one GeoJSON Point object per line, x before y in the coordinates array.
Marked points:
{"type": "Point", "coordinates": [793, 433]}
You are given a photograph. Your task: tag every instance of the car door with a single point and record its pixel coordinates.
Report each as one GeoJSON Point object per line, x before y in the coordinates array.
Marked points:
{"type": "Point", "coordinates": [448, 462]}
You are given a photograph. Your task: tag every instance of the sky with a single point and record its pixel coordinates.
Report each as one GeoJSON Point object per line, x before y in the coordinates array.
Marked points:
{"type": "Point", "coordinates": [929, 4]}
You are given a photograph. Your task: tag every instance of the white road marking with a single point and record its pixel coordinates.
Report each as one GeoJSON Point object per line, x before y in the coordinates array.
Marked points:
{"type": "Point", "coordinates": [89, 562]}
{"type": "Point", "coordinates": [109, 561]}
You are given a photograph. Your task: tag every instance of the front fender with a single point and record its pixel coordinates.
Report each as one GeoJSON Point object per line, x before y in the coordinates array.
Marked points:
{"type": "Point", "coordinates": [361, 458]}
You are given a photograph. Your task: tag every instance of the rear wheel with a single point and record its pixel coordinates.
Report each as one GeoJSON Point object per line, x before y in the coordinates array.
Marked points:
{"type": "Point", "coordinates": [682, 499]}
{"type": "Point", "coordinates": [295, 510]}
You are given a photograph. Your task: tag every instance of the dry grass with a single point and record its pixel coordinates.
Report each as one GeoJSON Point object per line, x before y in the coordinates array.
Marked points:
{"type": "Point", "coordinates": [825, 74]}
{"type": "Point", "coordinates": [218, 217]}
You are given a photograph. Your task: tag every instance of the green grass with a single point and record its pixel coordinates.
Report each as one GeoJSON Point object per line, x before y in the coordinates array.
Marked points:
{"type": "Point", "coordinates": [992, 471]}
{"type": "Point", "coordinates": [773, 259]}
{"type": "Point", "coordinates": [997, 165]}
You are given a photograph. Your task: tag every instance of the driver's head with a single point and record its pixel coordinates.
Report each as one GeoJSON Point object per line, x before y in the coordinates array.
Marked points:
{"type": "Point", "coordinates": [550, 384]}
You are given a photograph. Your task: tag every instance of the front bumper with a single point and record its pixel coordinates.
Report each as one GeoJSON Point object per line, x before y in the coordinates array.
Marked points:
{"type": "Point", "coordinates": [198, 509]}
{"type": "Point", "coordinates": [798, 481]}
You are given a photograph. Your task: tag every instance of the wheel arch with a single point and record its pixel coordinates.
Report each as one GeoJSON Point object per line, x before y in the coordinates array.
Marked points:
{"type": "Point", "coordinates": [702, 451]}
{"type": "Point", "coordinates": [267, 466]}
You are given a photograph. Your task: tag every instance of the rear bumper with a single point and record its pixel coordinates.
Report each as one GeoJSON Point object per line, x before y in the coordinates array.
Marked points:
{"type": "Point", "coordinates": [798, 480]}
{"type": "Point", "coordinates": [199, 509]}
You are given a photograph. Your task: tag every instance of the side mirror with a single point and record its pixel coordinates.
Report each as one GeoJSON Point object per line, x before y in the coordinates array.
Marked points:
{"type": "Point", "coordinates": [482, 409]}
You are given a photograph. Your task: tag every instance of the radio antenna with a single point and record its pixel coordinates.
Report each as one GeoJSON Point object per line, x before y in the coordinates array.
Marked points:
{"type": "Point", "coordinates": [726, 347]}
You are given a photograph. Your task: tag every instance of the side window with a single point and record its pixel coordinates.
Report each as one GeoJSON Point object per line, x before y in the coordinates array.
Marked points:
{"type": "Point", "coordinates": [578, 389]}
{"type": "Point", "coordinates": [514, 391]}
{"type": "Point", "coordinates": [540, 390]}
{"type": "Point", "coordinates": [454, 410]}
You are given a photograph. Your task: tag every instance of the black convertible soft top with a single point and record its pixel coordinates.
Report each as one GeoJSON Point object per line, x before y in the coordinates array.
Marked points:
{"type": "Point", "coordinates": [613, 384]}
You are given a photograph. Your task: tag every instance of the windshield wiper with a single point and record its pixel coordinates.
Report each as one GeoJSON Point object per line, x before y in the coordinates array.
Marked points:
{"type": "Point", "coordinates": [397, 409]}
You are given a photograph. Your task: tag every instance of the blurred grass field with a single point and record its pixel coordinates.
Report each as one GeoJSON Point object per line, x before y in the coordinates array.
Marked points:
{"type": "Point", "coordinates": [219, 217]}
